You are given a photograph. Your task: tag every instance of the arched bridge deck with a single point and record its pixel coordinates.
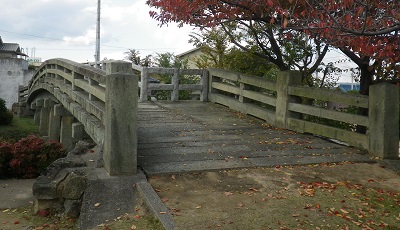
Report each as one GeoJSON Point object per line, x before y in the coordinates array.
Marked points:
{"type": "Point", "coordinates": [190, 136]}
{"type": "Point", "coordinates": [73, 100]}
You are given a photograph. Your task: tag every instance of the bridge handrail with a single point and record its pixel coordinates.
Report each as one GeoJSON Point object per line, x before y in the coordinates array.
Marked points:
{"type": "Point", "coordinates": [146, 87]}
{"type": "Point", "coordinates": [84, 84]}
{"type": "Point", "coordinates": [281, 104]}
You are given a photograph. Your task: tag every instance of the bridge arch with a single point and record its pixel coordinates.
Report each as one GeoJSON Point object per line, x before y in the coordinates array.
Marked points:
{"type": "Point", "coordinates": [70, 101]}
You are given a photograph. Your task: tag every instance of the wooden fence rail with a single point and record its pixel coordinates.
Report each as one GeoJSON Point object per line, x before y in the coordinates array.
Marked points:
{"type": "Point", "coordinates": [281, 104]}
{"type": "Point", "coordinates": [146, 87]}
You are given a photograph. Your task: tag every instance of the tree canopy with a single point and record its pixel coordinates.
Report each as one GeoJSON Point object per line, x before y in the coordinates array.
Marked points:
{"type": "Point", "coordinates": [368, 27]}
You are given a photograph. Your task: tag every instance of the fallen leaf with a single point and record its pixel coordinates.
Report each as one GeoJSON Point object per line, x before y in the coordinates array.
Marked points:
{"type": "Point", "coordinates": [228, 193]}
{"type": "Point", "coordinates": [164, 199]}
{"type": "Point", "coordinates": [16, 222]}
{"type": "Point", "coordinates": [295, 215]}
{"type": "Point", "coordinates": [253, 189]}
{"type": "Point", "coordinates": [173, 177]}
{"type": "Point", "coordinates": [136, 216]}
{"type": "Point", "coordinates": [97, 205]}
{"type": "Point", "coordinates": [198, 207]}
{"type": "Point", "coordinates": [163, 212]}
{"type": "Point", "coordinates": [344, 211]}
{"type": "Point", "coordinates": [317, 206]}
{"type": "Point", "coordinates": [133, 227]}
{"type": "Point", "coordinates": [240, 204]}
{"type": "Point", "coordinates": [43, 212]}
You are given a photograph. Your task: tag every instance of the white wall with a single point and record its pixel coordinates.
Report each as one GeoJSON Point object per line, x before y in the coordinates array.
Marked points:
{"type": "Point", "coordinates": [13, 72]}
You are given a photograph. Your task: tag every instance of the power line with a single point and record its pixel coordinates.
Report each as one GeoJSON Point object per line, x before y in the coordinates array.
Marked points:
{"type": "Point", "coordinates": [81, 43]}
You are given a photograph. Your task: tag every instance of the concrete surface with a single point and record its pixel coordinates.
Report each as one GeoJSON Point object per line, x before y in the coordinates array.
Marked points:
{"type": "Point", "coordinates": [16, 193]}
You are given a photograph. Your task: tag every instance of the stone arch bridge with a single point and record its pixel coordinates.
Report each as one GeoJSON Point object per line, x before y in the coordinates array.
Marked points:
{"type": "Point", "coordinates": [72, 101]}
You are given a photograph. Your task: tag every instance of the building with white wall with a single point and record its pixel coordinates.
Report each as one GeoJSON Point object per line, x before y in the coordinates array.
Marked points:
{"type": "Point", "coordinates": [13, 71]}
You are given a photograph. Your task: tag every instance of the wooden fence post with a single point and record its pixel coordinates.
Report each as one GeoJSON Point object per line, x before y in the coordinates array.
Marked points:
{"type": "Point", "coordinates": [204, 83]}
{"type": "Point", "coordinates": [284, 80]}
{"type": "Point", "coordinates": [144, 76]}
{"type": "Point", "coordinates": [175, 85]}
{"type": "Point", "coordinates": [383, 116]}
{"type": "Point", "coordinates": [120, 138]}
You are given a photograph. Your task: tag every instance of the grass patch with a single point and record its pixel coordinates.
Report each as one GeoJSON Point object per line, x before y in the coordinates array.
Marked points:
{"type": "Point", "coordinates": [19, 128]}
{"type": "Point", "coordinates": [23, 218]}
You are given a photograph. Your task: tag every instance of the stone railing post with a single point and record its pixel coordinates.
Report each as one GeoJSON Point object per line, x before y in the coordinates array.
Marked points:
{"type": "Point", "coordinates": [144, 76]}
{"type": "Point", "coordinates": [284, 80]}
{"type": "Point", "coordinates": [175, 85]}
{"type": "Point", "coordinates": [384, 121]}
{"type": "Point", "coordinates": [120, 138]}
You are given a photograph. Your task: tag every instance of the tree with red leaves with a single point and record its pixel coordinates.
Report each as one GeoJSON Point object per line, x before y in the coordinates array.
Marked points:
{"type": "Point", "coordinates": [365, 30]}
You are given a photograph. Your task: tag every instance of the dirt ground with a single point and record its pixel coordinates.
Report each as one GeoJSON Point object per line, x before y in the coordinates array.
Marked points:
{"type": "Point", "coordinates": [327, 196]}
{"type": "Point", "coordinates": [334, 196]}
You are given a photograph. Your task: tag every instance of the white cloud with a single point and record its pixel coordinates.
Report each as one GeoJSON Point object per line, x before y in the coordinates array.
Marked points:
{"type": "Point", "coordinates": [66, 28]}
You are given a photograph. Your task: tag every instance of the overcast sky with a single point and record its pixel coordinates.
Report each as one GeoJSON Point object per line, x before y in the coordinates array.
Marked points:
{"type": "Point", "coordinates": [67, 28]}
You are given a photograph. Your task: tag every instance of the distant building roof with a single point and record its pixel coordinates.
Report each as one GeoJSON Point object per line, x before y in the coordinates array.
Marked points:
{"type": "Point", "coordinates": [188, 52]}
{"type": "Point", "coordinates": [10, 48]}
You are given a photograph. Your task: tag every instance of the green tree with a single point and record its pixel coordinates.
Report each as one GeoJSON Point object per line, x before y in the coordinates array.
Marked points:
{"type": "Point", "coordinates": [169, 60]}
{"type": "Point", "coordinates": [6, 116]}
{"type": "Point", "coordinates": [134, 56]}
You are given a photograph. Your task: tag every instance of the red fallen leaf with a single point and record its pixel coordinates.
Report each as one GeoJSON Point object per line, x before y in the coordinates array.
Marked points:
{"type": "Point", "coordinates": [44, 212]}
{"type": "Point", "coordinates": [136, 216]}
{"type": "Point", "coordinates": [16, 222]}
{"type": "Point", "coordinates": [91, 151]}
{"type": "Point", "coordinates": [317, 206]}
{"type": "Point", "coordinates": [164, 199]}
{"type": "Point", "coordinates": [370, 180]}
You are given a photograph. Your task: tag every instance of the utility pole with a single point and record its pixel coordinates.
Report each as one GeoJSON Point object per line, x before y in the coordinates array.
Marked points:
{"type": "Point", "coordinates": [97, 53]}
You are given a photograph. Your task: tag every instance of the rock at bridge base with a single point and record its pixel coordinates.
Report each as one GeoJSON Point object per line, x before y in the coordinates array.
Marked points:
{"type": "Point", "coordinates": [60, 188]}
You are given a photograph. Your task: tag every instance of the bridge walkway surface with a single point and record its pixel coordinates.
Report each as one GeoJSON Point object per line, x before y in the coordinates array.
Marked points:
{"type": "Point", "coordinates": [190, 136]}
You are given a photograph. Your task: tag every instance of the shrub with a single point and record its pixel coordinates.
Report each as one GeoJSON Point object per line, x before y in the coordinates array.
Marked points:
{"type": "Point", "coordinates": [5, 115]}
{"type": "Point", "coordinates": [28, 157]}
{"type": "Point", "coordinates": [5, 157]}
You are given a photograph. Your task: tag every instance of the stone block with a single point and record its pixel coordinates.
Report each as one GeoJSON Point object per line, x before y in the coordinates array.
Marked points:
{"type": "Point", "coordinates": [53, 204]}
{"type": "Point", "coordinates": [74, 186]}
{"type": "Point", "coordinates": [72, 208]}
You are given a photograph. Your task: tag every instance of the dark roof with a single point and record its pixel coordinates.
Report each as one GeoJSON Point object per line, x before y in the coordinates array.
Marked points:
{"type": "Point", "coordinates": [10, 48]}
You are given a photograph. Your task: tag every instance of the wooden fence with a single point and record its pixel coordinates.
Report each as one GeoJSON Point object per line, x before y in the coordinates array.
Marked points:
{"type": "Point", "coordinates": [282, 104]}
{"type": "Point", "coordinates": [146, 87]}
